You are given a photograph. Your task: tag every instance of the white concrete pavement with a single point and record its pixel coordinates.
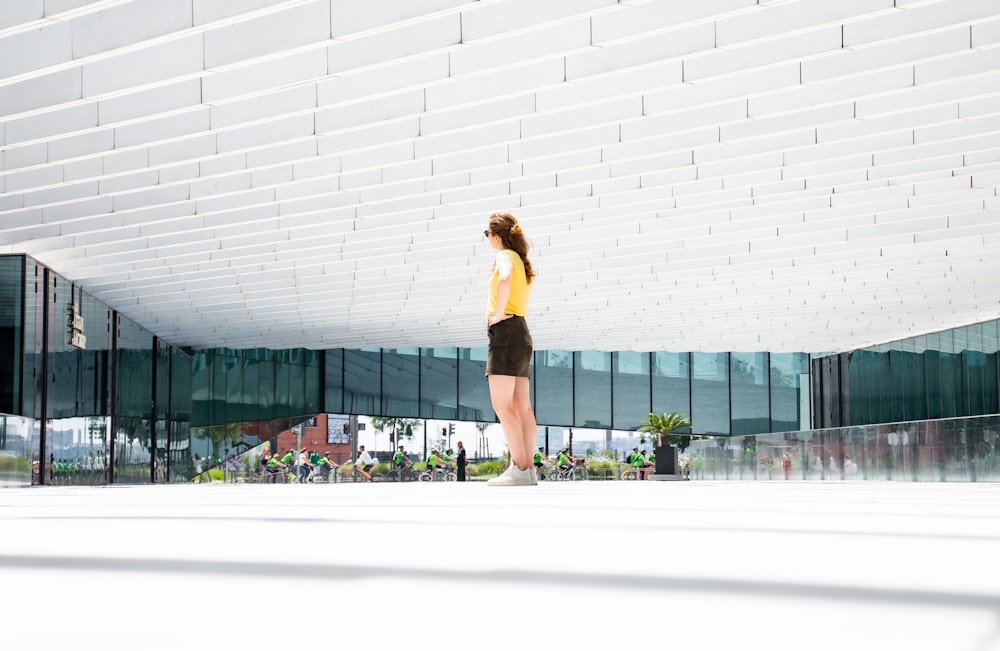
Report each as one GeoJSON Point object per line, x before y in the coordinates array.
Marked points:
{"type": "Point", "coordinates": [693, 565]}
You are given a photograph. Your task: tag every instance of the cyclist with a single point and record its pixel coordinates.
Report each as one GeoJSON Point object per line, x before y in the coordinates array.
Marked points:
{"type": "Point", "coordinates": [366, 463]}
{"type": "Point", "coordinates": [402, 461]}
{"type": "Point", "coordinates": [539, 461]}
{"type": "Point", "coordinates": [565, 463]}
{"type": "Point", "coordinates": [432, 463]}
{"type": "Point", "coordinates": [274, 467]}
{"type": "Point", "coordinates": [325, 466]}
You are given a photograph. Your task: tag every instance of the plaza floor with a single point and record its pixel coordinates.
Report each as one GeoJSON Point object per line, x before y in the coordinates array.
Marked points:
{"type": "Point", "coordinates": [589, 565]}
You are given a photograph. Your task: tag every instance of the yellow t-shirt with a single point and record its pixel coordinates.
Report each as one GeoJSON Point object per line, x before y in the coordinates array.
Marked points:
{"type": "Point", "coordinates": [517, 301]}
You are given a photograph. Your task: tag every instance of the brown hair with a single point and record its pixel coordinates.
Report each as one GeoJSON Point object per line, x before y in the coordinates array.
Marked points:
{"type": "Point", "coordinates": [505, 226]}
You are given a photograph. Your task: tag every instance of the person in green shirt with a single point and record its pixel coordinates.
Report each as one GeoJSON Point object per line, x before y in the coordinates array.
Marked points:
{"type": "Point", "coordinates": [432, 463]}
{"type": "Point", "coordinates": [325, 465]}
{"type": "Point", "coordinates": [274, 467]}
{"type": "Point", "coordinates": [641, 464]}
{"type": "Point", "coordinates": [402, 461]}
{"type": "Point", "coordinates": [565, 463]}
{"type": "Point", "coordinates": [539, 463]}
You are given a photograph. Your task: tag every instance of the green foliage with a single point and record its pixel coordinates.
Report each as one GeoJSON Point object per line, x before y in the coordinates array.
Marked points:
{"type": "Point", "coordinates": [402, 427]}
{"type": "Point", "coordinates": [221, 436]}
{"type": "Point", "coordinates": [601, 468]}
{"type": "Point", "coordinates": [488, 468]}
{"type": "Point", "coordinates": [14, 464]}
{"type": "Point", "coordinates": [661, 429]}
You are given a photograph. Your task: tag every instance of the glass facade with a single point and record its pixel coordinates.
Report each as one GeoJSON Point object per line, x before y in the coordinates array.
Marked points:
{"type": "Point", "coordinates": [955, 373]}
{"type": "Point", "coordinates": [586, 389]}
{"type": "Point", "coordinates": [958, 449]}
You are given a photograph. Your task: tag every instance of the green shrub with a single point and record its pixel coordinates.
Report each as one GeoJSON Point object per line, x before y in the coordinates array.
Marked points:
{"type": "Point", "coordinates": [14, 464]}
{"type": "Point", "coordinates": [488, 468]}
{"type": "Point", "coordinates": [601, 468]}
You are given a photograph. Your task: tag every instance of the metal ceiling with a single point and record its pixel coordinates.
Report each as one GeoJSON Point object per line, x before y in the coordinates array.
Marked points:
{"type": "Point", "coordinates": [715, 175]}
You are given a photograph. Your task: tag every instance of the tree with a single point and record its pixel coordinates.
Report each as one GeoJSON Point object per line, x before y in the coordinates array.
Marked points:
{"type": "Point", "coordinates": [221, 436]}
{"type": "Point", "coordinates": [661, 430]}
{"type": "Point", "coordinates": [398, 427]}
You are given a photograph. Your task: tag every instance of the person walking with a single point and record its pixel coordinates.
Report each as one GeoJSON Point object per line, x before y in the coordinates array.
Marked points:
{"type": "Point", "coordinates": [461, 463]}
{"type": "Point", "coordinates": [508, 362]}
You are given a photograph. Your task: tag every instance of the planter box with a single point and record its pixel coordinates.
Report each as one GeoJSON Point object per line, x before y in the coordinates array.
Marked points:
{"type": "Point", "coordinates": [666, 461]}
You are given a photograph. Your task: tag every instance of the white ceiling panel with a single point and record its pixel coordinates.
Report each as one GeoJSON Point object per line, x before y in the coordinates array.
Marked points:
{"type": "Point", "coordinates": [720, 175]}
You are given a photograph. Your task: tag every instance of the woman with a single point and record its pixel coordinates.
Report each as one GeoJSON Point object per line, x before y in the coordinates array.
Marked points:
{"type": "Point", "coordinates": [508, 367]}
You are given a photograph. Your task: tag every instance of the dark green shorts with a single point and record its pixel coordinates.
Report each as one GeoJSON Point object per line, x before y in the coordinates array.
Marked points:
{"type": "Point", "coordinates": [510, 348]}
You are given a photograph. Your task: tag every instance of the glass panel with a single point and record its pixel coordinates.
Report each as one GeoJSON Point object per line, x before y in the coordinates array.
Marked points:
{"type": "Point", "coordinates": [234, 397]}
{"type": "Point", "coordinates": [296, 389]}
{"type": "Point", "coordinates": [334, 381]}
{"type": "Point", "coordinates": [282, 389]}
{"type": "Point", "coordinates": [15, 450]}
{"type": "Point", "coordinates": [672, 383]}
{"type": "Point", "coordinates": [400, 382]}
{"type": "Point", "coordinates": [11, 333]}
{"type": "Point", "coordinates": [34, 306]}
{"type": "Point", "coordinates": [592, 389]}
{"type": "Point", "coordinates": [750, 376]}
{"type": "Point", "coordinates": [314, 388]}
{"type": "Point", "coordinates": [473, 389]}
{"type": "Point", "coordinates": [439, 383]}
{"type": "Point", "coordinates": [554, 387]}
{"type": "Point", "coordinates": [710, 393]}
{"type": "Point", "coordinates": [974, 368]}
{"type": "Point", "coordinates": [630, 389]}
{"type": "Point", "coordinates": [789, 399]}
{"type": "Point", "coordinates": [991, 374]}
{"type": "Point", "coordinates": [961, 449]}
{"type": "Point", "coordinates": [179, 455]}
{"type": "Point", "coordinates": [950, 377]}
{"type": "Point", "coordinates": [132, 425]}
{"type": "Point", "coordinates": [362, 379]}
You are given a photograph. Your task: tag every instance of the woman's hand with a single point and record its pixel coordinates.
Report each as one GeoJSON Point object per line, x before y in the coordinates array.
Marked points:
{"type": "Point", "coordinates": [497, 318]}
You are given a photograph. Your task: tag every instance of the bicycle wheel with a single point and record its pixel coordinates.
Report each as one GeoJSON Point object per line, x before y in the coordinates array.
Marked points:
{"type": "Point", "coordinates": [424, 476]}
{"type": "Point", "coordinates": [377, 476]}
{"type": "Point", "coordinates": [392, 475]}
{"type": "Point", "coordinates": [578, 474]}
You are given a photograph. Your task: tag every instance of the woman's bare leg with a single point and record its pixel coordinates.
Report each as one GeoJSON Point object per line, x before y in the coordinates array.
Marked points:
{"type": "Point", "coordinates": [502, 395]}
{"type": "Point", "coordinates": [529, 429]}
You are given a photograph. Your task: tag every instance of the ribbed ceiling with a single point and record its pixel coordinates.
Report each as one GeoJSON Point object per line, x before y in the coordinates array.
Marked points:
{"type": "Point", "coordinates": [713, 175]}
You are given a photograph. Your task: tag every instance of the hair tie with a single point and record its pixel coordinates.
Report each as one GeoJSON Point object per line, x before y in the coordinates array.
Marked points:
{"type": "Point", "coordinates": [515, 229]}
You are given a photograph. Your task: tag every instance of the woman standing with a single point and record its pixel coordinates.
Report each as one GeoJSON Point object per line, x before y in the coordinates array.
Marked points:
{"type": "Point", "coordinates": [508, 364]}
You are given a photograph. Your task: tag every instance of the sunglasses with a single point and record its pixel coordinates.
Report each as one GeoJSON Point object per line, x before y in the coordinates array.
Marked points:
{"type": "Point", "coordinates": [486, 233]}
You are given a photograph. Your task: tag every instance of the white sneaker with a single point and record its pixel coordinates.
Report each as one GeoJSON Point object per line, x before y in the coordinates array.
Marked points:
{"type": "Point", "coordinates": [534, 475]}
{"type": "Point", "coordinates": [512, 476]}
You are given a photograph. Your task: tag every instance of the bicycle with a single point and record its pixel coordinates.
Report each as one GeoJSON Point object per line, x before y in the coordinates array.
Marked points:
{"type": "Point", "coordinates": [400, 474]}
{"type": "Point", "coordinates": [438, 475]}
{"type": "Point", "coordinates": [576, 473]}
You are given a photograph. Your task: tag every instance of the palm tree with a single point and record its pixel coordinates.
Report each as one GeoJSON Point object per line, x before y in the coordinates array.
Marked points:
{"type": "Point", "coordinates": [661, 430]}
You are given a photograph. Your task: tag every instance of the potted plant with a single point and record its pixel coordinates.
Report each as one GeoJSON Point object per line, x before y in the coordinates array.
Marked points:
{"type": "Point", "coordinates": [667, 444]}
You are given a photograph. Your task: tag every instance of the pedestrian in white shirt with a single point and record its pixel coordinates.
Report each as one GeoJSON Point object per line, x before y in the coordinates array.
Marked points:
{"type": "Point", "coordinates": [365, 463]}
